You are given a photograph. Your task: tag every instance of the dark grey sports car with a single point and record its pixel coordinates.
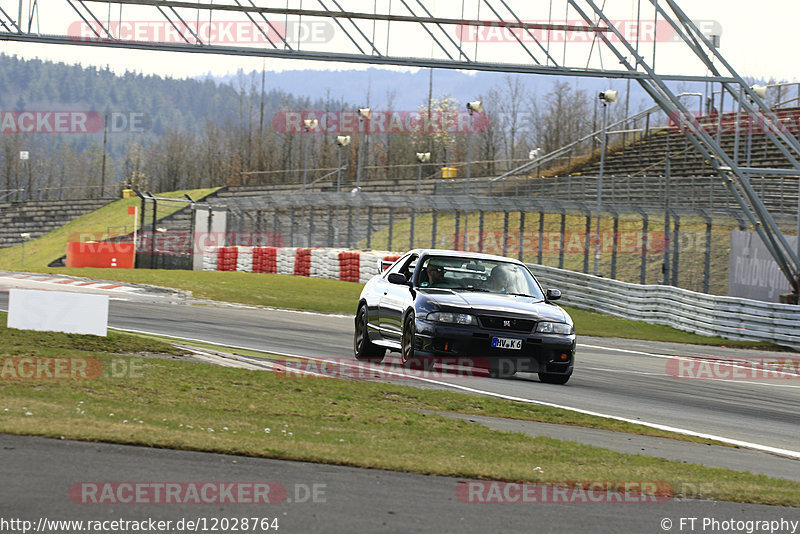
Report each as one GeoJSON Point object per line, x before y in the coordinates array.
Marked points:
{"type": "Point", "coordinates": [487, 310]}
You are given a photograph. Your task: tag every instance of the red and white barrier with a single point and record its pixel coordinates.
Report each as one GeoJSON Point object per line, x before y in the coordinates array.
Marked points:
{"type": "Point", "coordinates": [334, 264]}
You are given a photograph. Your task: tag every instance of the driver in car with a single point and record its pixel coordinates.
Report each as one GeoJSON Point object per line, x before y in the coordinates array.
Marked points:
{"type": "Point", "coordinates": [435, 273]}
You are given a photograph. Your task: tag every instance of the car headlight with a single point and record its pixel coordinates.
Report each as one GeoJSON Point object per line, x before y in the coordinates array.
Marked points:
{"type": "Point", "coordinates": [546, 327]}
{"type": "Point", "coordinates": [450, 317]}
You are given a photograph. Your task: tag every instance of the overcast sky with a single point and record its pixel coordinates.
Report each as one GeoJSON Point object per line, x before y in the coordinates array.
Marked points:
{"type": "Point", "coordinates": [759, 38]}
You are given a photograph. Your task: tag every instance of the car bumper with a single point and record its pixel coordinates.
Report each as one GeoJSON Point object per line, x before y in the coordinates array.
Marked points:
{"type": "Point", "coordinates": [551, 353]}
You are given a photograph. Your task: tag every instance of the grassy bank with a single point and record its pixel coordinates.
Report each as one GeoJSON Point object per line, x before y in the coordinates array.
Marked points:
{"type": "Point", "coordinates": [190, 406]}
{"type": "Point", "coordinates": [108, 221]}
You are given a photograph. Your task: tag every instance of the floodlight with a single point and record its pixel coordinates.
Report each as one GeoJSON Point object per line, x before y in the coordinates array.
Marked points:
{"type": "Point", "coordinates": [759, 90]}
{"type": "Point", "coordinates": [609, 95]}
{"type": "Point", "coordinates": [475, 107]}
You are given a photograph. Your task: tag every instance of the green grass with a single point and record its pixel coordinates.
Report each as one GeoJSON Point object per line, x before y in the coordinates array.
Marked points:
{"type": "Point", "coordinates": [335, 296]}
{"type": "Point", "coordinates": [106, 222]}
{"type": "Point", "coordinates": [190, 406]}
{"type": "Point", "coordinates": [257, 289]}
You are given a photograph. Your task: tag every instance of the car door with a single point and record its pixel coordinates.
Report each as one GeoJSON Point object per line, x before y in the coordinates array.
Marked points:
{"type": "Point", "coordinates": [395, 300]}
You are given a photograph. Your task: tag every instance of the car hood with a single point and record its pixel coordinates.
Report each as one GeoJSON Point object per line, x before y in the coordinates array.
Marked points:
{"type": "Point", "coordinates": [490, 304]}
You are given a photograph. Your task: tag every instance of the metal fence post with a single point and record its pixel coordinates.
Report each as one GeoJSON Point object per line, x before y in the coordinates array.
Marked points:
{"type": "Point", "coordinates": [505, 233]}
{"type": "Point", "coordinates": [707, 254]}
{"type": "Point", "coordinates": [391, 228]}
{"type": "Point", "coordinates": [561, 243]}
{"type": "Point", "coordinates": [275, 228]}
{"type": "Point", "coordinates": [369, 227]}
{"type": "Point", "coordinates": [153, 234]}
{"type": "Point", "coordinates": [411, 232]}
{"type": "Point", "coordinates": [480, 231]}
{"type": "Point", "coordinates": [330, 226]}
{"type": "Point", "coordinates": [614, 239]}
{"type": "Point", "coordinates": [291, 226]}
{"type": "Point", "coordinates": [587, 238]}
{"type": "Point", "coordinates": [466, 231]}
{"type": "Point", "coordinates": [541, 238]}
{"type": "Point", "coordinates": [350, 227]}
{"type": "Point", "coordinates": [643, 268]}
{"type": "Point", "coordinates": [311, 226]}
{"type": "Point", "coordinates": [677, 248]}
{"type": "Point", "coordinates": [434, 217]}
{"type": "Point", "coordinates": [455, 234]}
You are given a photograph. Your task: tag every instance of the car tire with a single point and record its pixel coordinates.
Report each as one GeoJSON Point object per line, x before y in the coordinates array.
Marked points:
{"type": "Point", "coordinates": [364, 349]}
{"type": "Point", "coordinates": [407, 353]}
{"type": "Point", "coordinates": [552, 378]}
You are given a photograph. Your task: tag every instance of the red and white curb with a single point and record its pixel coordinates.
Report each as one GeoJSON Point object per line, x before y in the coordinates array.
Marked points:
{"type": "Point", "coordinates": [337, 264]}
{"type": "Point", "coordinates": [57, 281]}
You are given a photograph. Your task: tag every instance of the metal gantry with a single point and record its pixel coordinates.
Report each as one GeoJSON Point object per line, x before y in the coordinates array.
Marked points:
{"type": "Point", "coordinates": [557, 37]}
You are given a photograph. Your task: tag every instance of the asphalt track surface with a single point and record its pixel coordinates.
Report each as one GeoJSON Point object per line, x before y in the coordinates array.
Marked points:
{"type": "Point", "coordinates": [608, 379]}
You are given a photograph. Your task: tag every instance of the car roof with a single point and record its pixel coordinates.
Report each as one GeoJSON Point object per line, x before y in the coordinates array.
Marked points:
{"type": "Point", "coordinates": [462, 254]}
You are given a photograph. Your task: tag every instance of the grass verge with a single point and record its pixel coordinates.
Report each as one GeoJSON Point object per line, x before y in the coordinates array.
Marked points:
{"type": "Point", "coordinates": [200, 407]}
{"type": "Point", "coordinates": [334, 296]}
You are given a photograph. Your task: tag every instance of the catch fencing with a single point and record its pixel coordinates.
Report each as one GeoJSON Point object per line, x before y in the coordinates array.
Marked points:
{"type": "Point", "coordinates": [728, 317]}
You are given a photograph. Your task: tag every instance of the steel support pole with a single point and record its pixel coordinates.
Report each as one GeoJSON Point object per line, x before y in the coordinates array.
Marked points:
{"type": "Point", "coordinates": [469, 150]}
{"type": "Point", "coordinates": [305, 159]}
{"type": "Point", "coordinates": [360, 152]}
{"type": "Point", "coordinates": [600, 188]}
{"type": "Point", "coordinates": [339, 172]}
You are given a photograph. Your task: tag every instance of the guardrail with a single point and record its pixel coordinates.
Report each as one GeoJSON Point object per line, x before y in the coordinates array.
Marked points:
{"type": "Point", "coordinates": [728, 317]}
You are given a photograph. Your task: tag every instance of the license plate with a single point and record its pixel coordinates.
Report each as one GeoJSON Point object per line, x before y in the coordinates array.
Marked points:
{"type": "Point", "coordinates": [506, 343]}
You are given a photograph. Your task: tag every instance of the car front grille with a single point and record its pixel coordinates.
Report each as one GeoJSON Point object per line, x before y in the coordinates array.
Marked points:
{"type": "Point", "coordinates": [505, 323]}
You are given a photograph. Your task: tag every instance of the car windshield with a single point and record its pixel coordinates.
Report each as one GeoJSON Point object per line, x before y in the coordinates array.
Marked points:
{"type": "Point", "coordinates": [470, 274]}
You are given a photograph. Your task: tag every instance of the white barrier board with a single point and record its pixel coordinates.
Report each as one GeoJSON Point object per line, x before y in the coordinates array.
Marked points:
{"type": "Point", "coordinates": [58, 311]}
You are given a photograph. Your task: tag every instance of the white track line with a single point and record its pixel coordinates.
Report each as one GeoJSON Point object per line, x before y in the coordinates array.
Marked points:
{"type": "Point", "coordinates": [735, 442]}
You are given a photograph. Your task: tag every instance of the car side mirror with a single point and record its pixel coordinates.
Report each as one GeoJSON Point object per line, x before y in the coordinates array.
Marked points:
{"type": "Point", "coordinates": [397, 278]}
{"type": "Point", "coordinates": [553, 294]}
